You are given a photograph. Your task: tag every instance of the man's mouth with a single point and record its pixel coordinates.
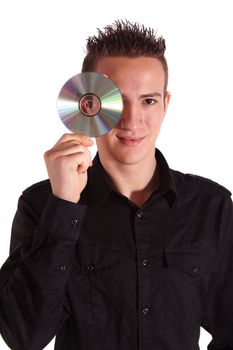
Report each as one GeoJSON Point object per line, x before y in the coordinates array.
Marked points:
{"type": "Point", "coordinates": [129, 140]}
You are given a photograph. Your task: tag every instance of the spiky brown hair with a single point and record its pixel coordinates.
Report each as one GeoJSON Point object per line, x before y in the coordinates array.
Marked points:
{"type": "Point", "coordinates": [123, 38]}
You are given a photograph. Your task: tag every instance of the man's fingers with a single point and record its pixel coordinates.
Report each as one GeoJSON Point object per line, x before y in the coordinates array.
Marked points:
{"type": "Point", "coordinates": [81, 161]}
{"type": "Point", "coordinates": [79, 138]}
{"type": "Point", "coordinates": [65, 149]}
{"type": "Point", "coordinates": [67, 163]}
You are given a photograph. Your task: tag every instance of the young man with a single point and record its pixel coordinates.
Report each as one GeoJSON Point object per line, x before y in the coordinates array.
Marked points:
{"type": "Point", "coordinates": [124, 253]}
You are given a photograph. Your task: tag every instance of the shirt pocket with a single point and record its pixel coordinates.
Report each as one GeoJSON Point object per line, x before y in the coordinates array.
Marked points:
{"type": "Point", "coordinates": [188, 276]}
{"type": "Point", "coordinates": [97, 269]}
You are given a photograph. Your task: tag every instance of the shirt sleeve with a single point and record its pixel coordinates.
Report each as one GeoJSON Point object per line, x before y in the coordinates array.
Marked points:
{"type": "Point", "coordinates": [218, 319]}
{"type": "Point", "coordinates": [33, 280]}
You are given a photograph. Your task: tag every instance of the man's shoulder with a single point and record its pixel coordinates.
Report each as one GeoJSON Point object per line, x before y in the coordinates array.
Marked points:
{"type": "Point", "coordinates": [208, 182]}
{"type": "Point", "coordinates": [35, 197]}
{"type": "Point", "coordinates": [40, 187]}
{"type": "Point", "coordinates": [200, 182]}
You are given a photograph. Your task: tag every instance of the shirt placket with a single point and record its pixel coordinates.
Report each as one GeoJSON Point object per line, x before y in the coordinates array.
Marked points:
{"type": "Point", "coordinates": [143, 269]}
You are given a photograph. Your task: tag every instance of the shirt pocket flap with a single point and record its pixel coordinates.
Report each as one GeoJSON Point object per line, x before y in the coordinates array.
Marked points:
{"type": "Point", "coordinates": [95, 258]}
{"type": "Point", "coordinates": [192, 263]}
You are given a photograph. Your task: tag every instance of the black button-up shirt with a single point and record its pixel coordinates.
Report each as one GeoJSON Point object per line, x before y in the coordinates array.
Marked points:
{"type": "Point", "coordinates": [104, 274]}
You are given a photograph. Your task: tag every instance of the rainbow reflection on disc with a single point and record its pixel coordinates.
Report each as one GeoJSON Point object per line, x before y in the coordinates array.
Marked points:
{"type": "Point", "coordinates": [90, 103]}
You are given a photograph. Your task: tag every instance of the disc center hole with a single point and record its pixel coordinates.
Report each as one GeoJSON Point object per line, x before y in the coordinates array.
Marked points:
{"type": "Point", "coordinates": [90, 105]}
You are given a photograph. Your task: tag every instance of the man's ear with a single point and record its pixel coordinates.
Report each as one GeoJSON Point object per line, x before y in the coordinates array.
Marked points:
{"type": "Point", "coordinates": [167, 98]}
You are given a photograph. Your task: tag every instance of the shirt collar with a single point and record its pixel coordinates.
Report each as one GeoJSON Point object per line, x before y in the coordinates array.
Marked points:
{"type": "Point", "coordinates": [167, 182]}
{"type": "Point", "coordinates": [99, 186]}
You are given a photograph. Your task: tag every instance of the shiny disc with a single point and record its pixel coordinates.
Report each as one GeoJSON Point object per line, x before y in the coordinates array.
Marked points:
{"type": "Point", "coordinates": [90, 103]}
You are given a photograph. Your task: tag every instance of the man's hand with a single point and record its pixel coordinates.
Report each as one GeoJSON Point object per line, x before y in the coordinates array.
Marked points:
{"type": "Point", "coordinates": [67, 163]}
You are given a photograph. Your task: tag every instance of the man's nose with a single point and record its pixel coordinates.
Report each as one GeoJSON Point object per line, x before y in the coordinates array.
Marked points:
{"type": "Point", "coordinates": [131, 117]}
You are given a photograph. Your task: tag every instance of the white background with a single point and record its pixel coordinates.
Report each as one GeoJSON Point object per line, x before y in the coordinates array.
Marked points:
{"type": "Point", "coordinates": [42, 46]}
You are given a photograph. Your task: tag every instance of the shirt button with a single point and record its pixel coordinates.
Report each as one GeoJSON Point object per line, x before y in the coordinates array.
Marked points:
{"type": "Point", "coordinates": [139, 214]}
{"type": "Point", "coordinates": [74, 222]}
{"type": "Point", "coordinates": [145, 262]}
{"type": "Point", "coordinates": [145, 311]}
{"type": "Point", "coordinates": [63, 268]}
{"type": "Point", "coordinates": [196, 270]}
{"type": "Point", "coordinates": [90, 267]}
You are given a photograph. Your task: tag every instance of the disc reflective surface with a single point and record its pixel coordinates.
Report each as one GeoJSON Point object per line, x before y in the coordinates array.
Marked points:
{"type": "Point", "coordinates": [90, 103]}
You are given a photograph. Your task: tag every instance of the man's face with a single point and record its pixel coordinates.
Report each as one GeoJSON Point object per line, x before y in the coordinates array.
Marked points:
{"type": "Point", "coordinates": [141, 83]}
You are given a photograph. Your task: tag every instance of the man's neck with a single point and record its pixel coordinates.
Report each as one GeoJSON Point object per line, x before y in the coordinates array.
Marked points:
{"type": "Point", "coordinates": [135, 181]}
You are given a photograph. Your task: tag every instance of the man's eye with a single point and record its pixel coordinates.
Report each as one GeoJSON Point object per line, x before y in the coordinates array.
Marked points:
{"type": "Point", "coordinates": [150, 101]}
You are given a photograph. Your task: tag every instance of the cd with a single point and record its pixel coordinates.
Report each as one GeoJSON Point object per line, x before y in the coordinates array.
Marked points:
{"type": "Point", "coordinates": [90, 103]}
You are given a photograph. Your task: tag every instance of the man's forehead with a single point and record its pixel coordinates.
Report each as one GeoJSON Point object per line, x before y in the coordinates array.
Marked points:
{"type": "Point", "coordinates": [143, 75]}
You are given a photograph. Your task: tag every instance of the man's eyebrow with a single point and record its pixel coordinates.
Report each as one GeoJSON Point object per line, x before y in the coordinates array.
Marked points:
{"type": "Point", "coordinates": [152, 94]}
